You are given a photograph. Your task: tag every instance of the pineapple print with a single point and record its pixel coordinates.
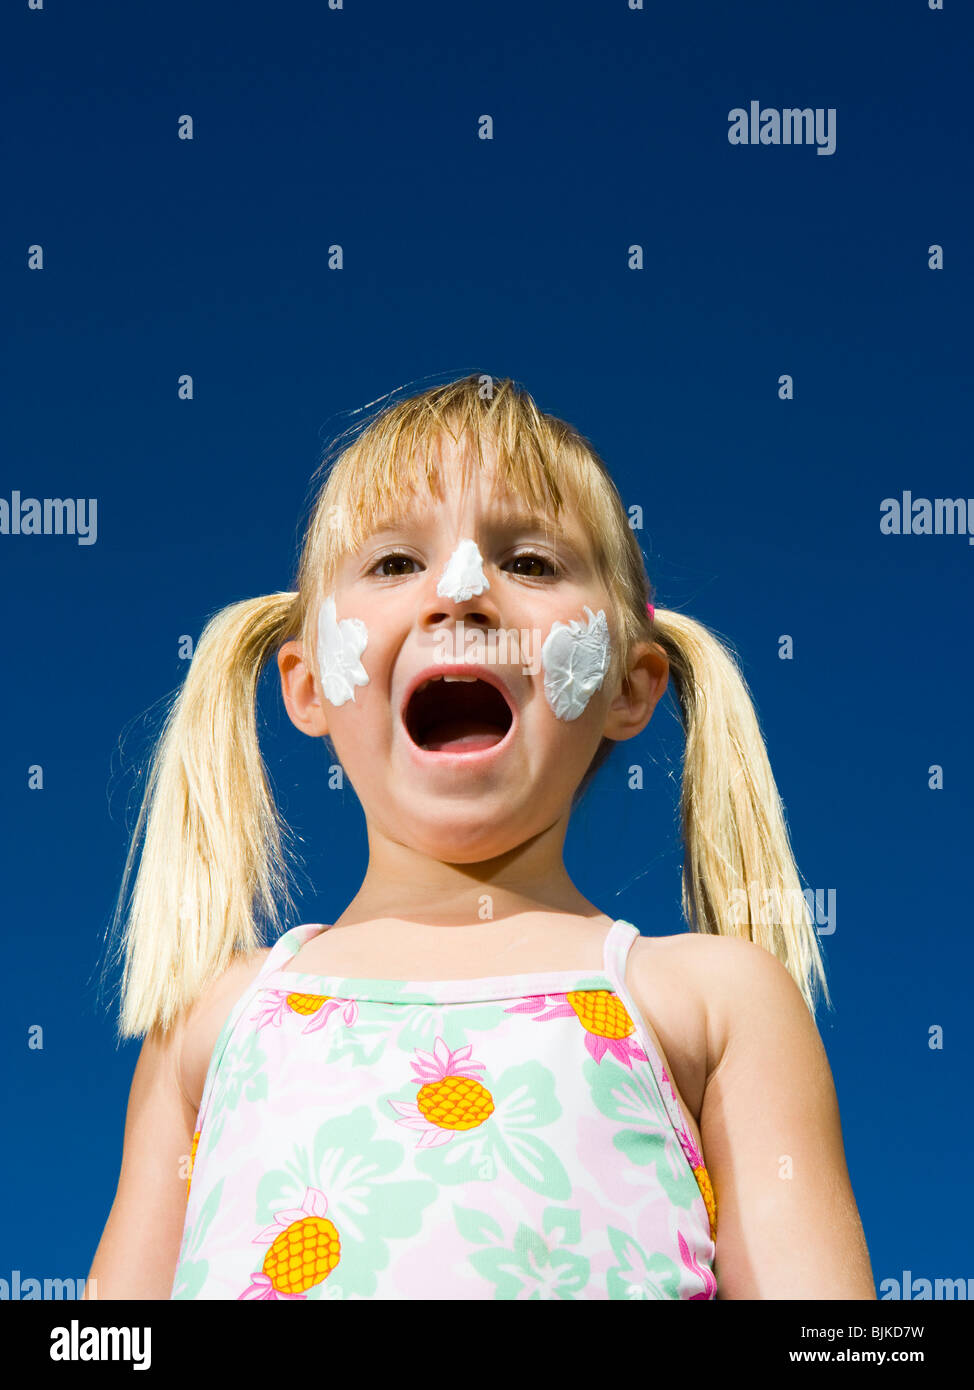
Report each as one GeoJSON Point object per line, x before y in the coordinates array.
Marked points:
{"type": "Point", "coordinates": [450, 1097]}
{"type": "Point", "coordinates": [707, 1192]}
{"type": "Point", "coordinates": [304, 1249]}
{"type": "Point", "coordinates": [306, 1003]}
{"type": "Point", "coordinates": [192, 1160]}
{"type": "Point", "coordinates": [277, 1004]}
{"type": "Point", "coordinates": [602, 1014]}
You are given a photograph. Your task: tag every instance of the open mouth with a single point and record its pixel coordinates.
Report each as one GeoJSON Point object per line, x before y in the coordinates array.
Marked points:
{"type": "Point", "coordinates": [460, 714]}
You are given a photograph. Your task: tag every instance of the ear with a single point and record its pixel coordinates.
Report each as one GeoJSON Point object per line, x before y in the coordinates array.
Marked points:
{"type": "Point", "coordinates": [641, 691]}
{"type": "Point", "coordinates": [301, 699]}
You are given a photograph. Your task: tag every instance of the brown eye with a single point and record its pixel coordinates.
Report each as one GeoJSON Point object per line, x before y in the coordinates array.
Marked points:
{"type": "Point", "coordinates": [531, 558]}
{"type": "Point", "coordinates": [393, 558]}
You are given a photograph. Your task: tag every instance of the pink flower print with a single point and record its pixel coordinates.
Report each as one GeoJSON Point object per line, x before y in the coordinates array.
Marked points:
{"type": "Point", "coordinates": [701, 1271]}
{"type": "Point", "coordinates": [317, 1008]}
{"type": "Point", "coordinates": [687, 1143]}
{"type": "Point", "coordinates": [602, 1014]}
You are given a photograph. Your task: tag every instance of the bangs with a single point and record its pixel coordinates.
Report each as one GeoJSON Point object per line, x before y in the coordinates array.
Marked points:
{"type": "Point", "coordinates": [396, 466]}
{"type": "Point", "coordinates": [396, 479]}
{"type": "Point", "coordinates": [543, 471]}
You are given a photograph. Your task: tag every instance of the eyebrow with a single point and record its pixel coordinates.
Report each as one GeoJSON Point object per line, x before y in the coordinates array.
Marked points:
{"type": "Point", "coordinates": [530, 521]}
{"type": "Point", "coordinates": [508, 520]}
{"type": "Point", "coordinates": [524, 521]}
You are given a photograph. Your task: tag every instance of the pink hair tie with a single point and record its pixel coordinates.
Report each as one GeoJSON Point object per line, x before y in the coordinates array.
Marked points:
{"type": "Point", "coordinates": [650, 610]}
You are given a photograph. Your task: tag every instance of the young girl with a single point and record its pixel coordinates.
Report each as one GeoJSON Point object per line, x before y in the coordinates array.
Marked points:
{"type": "Point", "coordinates": [474, 1084]}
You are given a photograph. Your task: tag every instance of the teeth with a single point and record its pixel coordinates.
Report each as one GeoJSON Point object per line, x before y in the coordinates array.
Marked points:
{"type": "Point", "coordinates": [466, 679]}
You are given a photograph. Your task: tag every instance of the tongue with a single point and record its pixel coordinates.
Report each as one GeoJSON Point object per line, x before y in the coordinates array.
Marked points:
{"type": "Point", "coordinates": [462, 736]}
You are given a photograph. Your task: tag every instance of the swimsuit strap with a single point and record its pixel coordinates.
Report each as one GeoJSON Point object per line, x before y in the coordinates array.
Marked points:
{"type": "Point", "coordinates": [284, 948]}
{"type": "Point", "coordinates": [618, 944]}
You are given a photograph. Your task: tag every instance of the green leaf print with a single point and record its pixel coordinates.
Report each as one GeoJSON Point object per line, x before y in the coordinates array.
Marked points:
{"type": "Point", "coordinates": [477, 1226]}
{"type": "Point", "coordinates": [568, 1224]}
{"type": "Point", "coordinates": [368, 1205]}
{"type": "Point", "coordinates": [204, 1218]}
{"type": "Point", "coordinates": [283, 1187]}
{"type": "Point", "coordinates": [531, 1269]}
{"type": "Point", "coordinates": [190, 1279]}
{"type": "Point", "coordinates": [639, 1277]}
{"type": "Point", "coordinates": [382, 1026]}
{"type": "Point", "coordinates": [527, 1265]}
{"type": "Point", "coordinates": [646, 1134]}
{"type": "Point", "coordinates": [191, 1274]}
{"type": "Point", "coordinates": [418, 1029]}
{"type": "Point", "coordinates": [524, 1100]}
{"type": "Point", "coordinates": [359, 1045]}
{"type": "Point", "coordinates": [241, 1073]}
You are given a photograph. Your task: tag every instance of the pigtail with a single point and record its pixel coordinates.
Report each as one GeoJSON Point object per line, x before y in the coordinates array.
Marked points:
{"type": "Point", "coordinates": [212, 856]}
{"type": "Point", "coordinates": [739, 875]}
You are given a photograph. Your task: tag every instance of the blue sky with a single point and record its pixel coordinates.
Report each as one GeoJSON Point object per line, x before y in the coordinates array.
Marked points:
{"type": "Point", "coordinates": [358, 127]}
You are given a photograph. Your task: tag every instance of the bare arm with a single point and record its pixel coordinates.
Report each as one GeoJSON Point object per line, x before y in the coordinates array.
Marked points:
{"type": "Point", "coordinates": [136, 1257]}
{"type": "Point", "coordinates": [139, 1248]}
{"type": "Point", "coordinates": [787, 1222]}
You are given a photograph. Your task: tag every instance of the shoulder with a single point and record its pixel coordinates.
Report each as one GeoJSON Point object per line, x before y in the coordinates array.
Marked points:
{"type": "Point", "coordinates": [725, 985]}
{"type": "Point", "coordinates": [205, 1020]}
{"type": "Point", "coordinates": [669, 987]}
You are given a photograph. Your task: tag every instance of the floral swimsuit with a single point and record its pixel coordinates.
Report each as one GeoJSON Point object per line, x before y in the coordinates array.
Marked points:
{"type": "Point", "coordinates": [504, 1138]}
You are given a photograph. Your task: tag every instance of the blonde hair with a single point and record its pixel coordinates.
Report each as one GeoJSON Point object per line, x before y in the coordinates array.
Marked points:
{"type": "Point", "coordinates": [212, 861]}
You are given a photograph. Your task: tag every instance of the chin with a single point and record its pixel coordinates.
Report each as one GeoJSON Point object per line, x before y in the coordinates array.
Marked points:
{"type": "Point", "coordinates": [466, 837]}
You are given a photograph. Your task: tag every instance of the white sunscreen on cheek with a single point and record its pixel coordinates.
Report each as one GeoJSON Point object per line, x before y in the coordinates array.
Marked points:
{"type": "Point", "coordinates": [575, 657]}
{"type": "Point", "coordinates": [340, 644]}
{"type": "Point", "coordinates": [464, 574]}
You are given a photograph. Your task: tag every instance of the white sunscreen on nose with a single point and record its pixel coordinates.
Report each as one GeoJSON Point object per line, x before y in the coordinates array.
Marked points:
{"type": "Point", "coordinates": [575, 657]}
{"type": "Point", "coordinates": [464, 574]}
{"type": "Point", "coordinates": [340, 644]}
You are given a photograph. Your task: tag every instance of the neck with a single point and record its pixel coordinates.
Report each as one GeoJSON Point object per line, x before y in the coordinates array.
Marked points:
{"type": "Point", "coordinates": [402, 885]}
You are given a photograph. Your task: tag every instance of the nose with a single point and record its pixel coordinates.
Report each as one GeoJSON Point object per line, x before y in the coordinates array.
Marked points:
{"type": "Point", "coordinates": [458, 588]}
{"type": "Point", "coordinates": [439, 611]}
{"type": "Point", "coordinates": [453, 625]}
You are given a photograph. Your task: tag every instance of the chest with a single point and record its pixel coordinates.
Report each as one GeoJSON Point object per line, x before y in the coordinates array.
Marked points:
{"type": "Point", "coordinates": [661, 987]}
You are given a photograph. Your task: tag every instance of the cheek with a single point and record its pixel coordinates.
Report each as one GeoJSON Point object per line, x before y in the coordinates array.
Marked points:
{"type": "Point", "coordinates": [340, 646]}
{"type": "Point", "coordinates": [575, 658]}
